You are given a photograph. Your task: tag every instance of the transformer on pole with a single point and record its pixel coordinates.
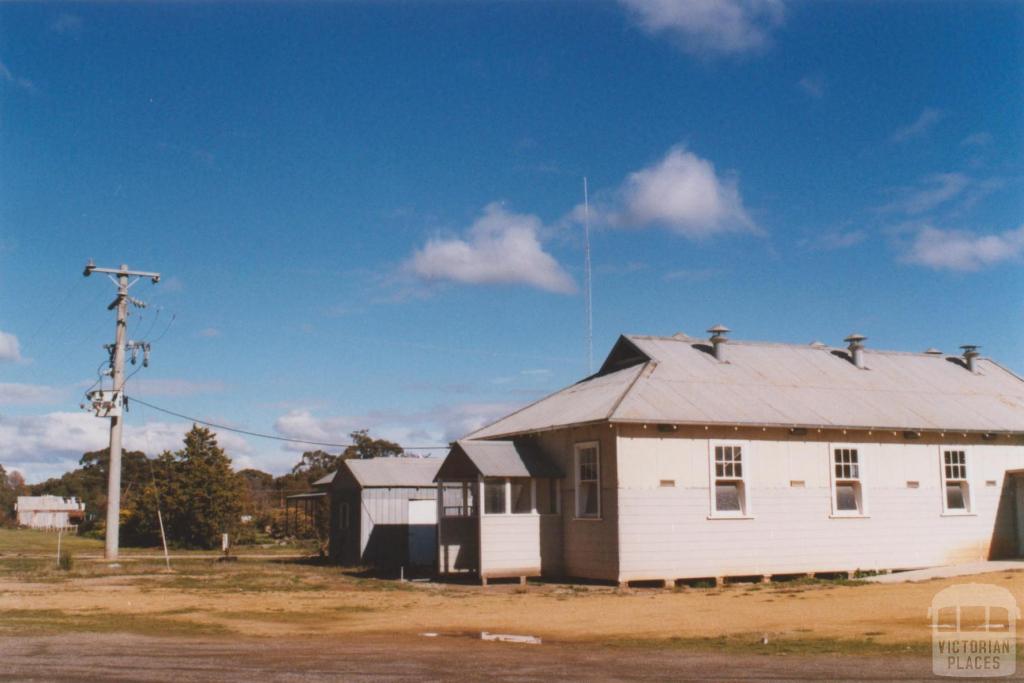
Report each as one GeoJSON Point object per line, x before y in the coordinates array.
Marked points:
{"type": "Point", "coordinates": [110, 404]}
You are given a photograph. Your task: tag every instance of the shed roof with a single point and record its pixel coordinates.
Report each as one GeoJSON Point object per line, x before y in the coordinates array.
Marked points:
{"type": "Point", "coordinates": [677, 380]}
{"type": "Point", "coordinates": [502, 459]}
{"type": "Point", "coordinates": [325, 480]}
{"type": "Point", "coordinates": [397, 471]}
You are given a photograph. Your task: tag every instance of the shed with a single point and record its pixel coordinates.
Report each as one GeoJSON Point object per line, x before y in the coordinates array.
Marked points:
{"type": "Point", "coordinates": [384, 512]}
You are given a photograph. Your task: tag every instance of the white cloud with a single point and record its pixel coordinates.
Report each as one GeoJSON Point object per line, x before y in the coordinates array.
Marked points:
{"type": "Point", "coordinates": [933, 191]}
{"type": "Point", "coordinates": [813, 86]}
{"type": "Point", "coordinates": [47, 445]}
{"type": "Point", "coordinates": [13, 394]}
{"type": "Point", "coordinates": [500, 247]}
{"type": "Point", "coordinates": [919, 128]}
{"type": "Point", "coordinates": [10, 349]}
{"type": "Point", "coordinates": [716, 27]}
{"type": "Point", "coordinates": [6, 76]}
{"type": "Point", "coordinates": [683, 193]}
{"type": "Point", "coordinates": [964, 251]}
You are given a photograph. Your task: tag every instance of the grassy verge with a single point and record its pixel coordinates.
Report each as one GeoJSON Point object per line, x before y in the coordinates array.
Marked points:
{"type": "Point", "coordinates": [23, 622]}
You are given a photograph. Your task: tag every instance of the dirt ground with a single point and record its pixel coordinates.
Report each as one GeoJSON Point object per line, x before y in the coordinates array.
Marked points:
{"type": "Point", "coordinates": [254, 598]}
{"type": "Point", "coordinates": [116, 657]}
{"type": "Point", "coordinates": [283, 618]}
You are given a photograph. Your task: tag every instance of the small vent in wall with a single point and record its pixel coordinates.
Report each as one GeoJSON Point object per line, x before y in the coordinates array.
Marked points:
{"type": "Point", "coordinates": [797, 483]}
{"type": "Point", "coordinates": [990, 482]}
{"type": "Point", "coordinates": [667, 483]}
{"type": "Point", "coordinates": [913, 484]}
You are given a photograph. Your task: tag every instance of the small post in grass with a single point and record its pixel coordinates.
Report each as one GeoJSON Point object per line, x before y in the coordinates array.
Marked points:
{"type": "Point", "coordinates": [60, 532]}
{"type": "Point", "coordinates": [163, 537]}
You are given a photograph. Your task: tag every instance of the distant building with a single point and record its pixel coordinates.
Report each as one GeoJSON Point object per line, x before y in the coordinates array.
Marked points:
{"type": "Point", "coordinates": [49, 512]}
{"type": "Point", "coordinates": [686, 458]}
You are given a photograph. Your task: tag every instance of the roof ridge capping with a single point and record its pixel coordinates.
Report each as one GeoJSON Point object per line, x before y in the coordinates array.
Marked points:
{"type": "Point", "coordinates": [814, 345]}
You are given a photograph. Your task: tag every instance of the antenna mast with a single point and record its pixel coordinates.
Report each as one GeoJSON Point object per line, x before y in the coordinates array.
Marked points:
{"type": "Point", "coordinates": [587, 276]}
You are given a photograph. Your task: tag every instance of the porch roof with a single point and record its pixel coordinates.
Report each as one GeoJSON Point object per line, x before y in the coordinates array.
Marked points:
{"type": "Point", "coordinates": [497, 459]}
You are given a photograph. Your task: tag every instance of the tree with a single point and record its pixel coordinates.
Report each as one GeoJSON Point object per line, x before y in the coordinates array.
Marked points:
{"type": "Point", "coordinates": [203, 495]}
{"type": "Point", "coordinates": [8, 496]}
{"type": "Point", "coordinates": [364, 446]}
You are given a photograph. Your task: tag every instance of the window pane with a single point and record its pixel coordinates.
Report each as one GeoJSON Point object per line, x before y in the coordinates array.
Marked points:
{"type": "Point", "coordinates": [521, 496]}
{"type": "Point", "coordinates": [494, 496]}
{"type": "Point", "coordinates": [955, 497]}
{"type": "Point", "coordinates": [846, 497]}
{"type": "Point", "coordinates": [587, 499]}
{"type": "Point", "coordinates": [547, 496]}
{"type": "Point", "coordinates": [727, 496]}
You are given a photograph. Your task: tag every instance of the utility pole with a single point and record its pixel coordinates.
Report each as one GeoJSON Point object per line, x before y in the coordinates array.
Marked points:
{"type": "Point", "coordinates": [111, 406]}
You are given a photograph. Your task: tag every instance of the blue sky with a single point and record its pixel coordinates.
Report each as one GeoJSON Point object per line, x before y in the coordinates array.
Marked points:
{"type": "Point", "coordinates": [368, 214]}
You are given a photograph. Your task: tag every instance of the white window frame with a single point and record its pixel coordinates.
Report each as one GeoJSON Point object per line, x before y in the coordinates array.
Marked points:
{"type": "Point", "coordinates": [577, 448]}
{"type": "Point", "coordinates": [835, 480]}
{"type": "Point", "coordinates": [964, 482]}
{"type": "Point", "coordinates": [507, 512]}
{"type": "Point", "coordinates": [745, 511]}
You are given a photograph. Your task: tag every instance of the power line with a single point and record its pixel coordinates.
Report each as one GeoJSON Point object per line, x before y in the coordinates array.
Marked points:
{"type": "Point", "coordinates": [266, 436]}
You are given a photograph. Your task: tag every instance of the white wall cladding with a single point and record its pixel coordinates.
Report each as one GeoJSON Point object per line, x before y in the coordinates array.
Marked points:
{"type": "Point", "coordinates": [510, 545]}
{"type": "Point", "coordinates": [664, 531]}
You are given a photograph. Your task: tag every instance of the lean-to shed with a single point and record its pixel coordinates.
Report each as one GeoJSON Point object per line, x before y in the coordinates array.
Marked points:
{"type": "Point", "coordinates": [384, 512]}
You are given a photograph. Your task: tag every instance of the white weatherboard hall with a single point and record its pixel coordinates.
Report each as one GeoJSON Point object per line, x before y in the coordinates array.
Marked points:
{"type": "Point", "coordinates": [685, 458]}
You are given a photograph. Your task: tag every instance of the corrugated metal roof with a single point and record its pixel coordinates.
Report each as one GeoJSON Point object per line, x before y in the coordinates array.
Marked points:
{"type": "Point", "coordinates": [765, 384]}
{"type": "Point", "coordinates": [325, 480]}
{"type": "Point", "coordinates": [394, 471]}
{"type": "Point", "coordinates": [507, 459]}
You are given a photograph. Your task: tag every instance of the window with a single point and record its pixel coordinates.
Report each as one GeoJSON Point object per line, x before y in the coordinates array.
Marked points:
{"type": "Point", "coordinates": [588, 480]}
{"type": "Point", "coordinates": [522, 498]}
{"type": "Point", "coordinates": [847, 495]}
{"type": "Point", "coordinates": [729, 499]}
{"type": "Point", "coordinates": [956, 489]}
{"type": "Point", "coordinates": [458, 499]}
{"type": "Point", "coordinates": [547, 496]}
{"type": "Point", "coordinates": [494, 497]}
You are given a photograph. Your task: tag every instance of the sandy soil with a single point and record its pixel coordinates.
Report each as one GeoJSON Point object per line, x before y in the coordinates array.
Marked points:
{"type": "Point", "coordinates": [881, 613]}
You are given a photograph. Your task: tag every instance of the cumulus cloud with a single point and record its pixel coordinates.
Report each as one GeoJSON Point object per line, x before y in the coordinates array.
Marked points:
{"type": "Point", "coordinates": [10, 349]}
{"type": "Point", "coordinates": [710, 27]}
{"type": "Point", "coordinates": [920, 126]}
{"type": "Point", "coordinates": [434, 426]}
{"type": "Point", "coordinates": [931, 192]}
{"type": "Point", "coordinates": [47, 445]}
{"type": "Point", "coordinates": [499, 248]}
{"type": "Point", "coordinates": [960, 250]}
{"type": "Point", "coordinates": [683, 193]}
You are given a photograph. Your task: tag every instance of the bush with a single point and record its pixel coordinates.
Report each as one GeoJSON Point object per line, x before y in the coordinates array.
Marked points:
{"type": "Point", "coordinates": [65, 561]}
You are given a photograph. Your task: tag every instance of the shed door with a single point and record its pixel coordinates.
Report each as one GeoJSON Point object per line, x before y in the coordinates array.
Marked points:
{"type": "Point", "coordinates": [422, 532]}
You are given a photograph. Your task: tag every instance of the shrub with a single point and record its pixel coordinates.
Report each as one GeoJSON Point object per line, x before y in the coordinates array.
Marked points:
{"type": "Point", "coordinates": [65, 561]}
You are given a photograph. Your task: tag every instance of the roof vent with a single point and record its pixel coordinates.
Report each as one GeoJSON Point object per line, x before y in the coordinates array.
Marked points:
{"type": "Point", "coordinates": [932, 351]}
{"type": "Point", "coordinates": [718, 341]}
{"type": "Point", "coordinates": [818, 344]}
{"type": "Point", "coordinates": [971, 356]}
{"type": "Point", "coordinates": [856, 347]}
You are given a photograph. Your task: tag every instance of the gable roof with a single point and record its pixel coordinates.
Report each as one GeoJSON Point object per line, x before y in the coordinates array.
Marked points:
{"type": "Point", "coordinates": [676, 380]}
{"type": "Point", "coordinates": [393, 472]}
{"type": "Point", "coordinates": [497, 459]}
